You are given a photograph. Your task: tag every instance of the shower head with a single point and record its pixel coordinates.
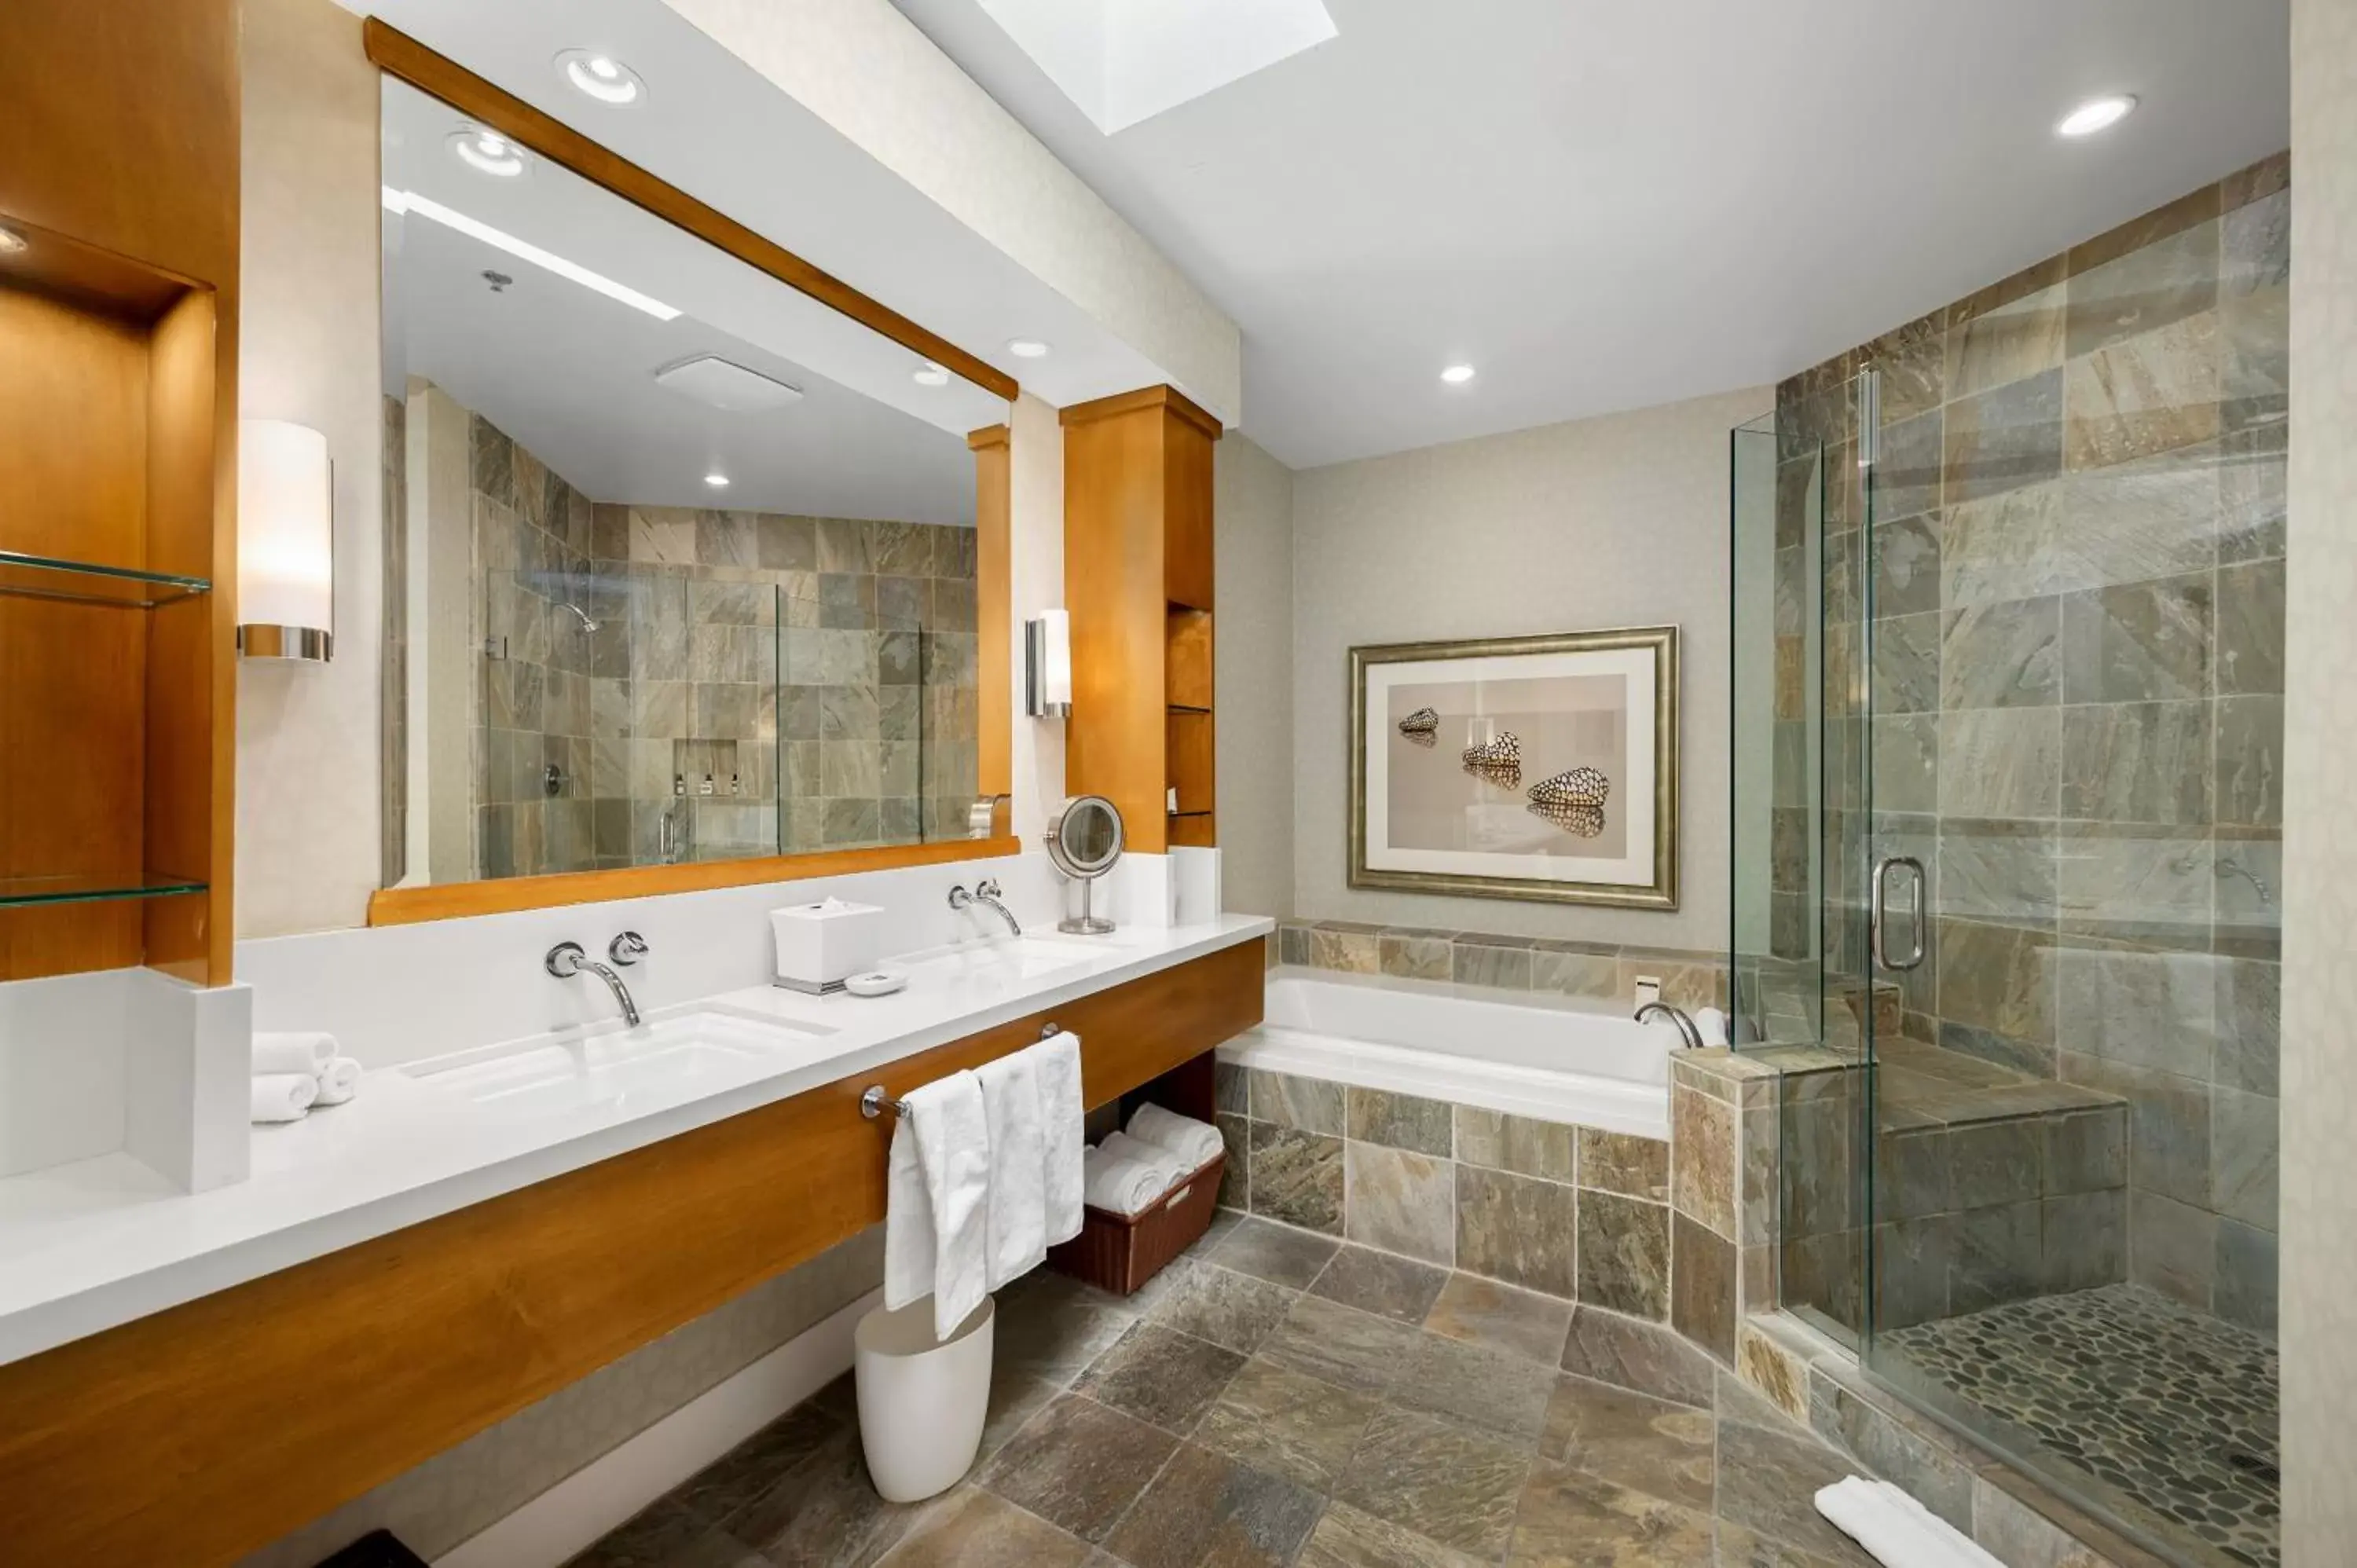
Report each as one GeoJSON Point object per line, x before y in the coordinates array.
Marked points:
{"type": "Point", "coordinates": [579, 614]}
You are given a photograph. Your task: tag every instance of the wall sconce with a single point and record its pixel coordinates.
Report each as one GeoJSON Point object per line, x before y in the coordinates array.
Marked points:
{"type": "Point", "coordinates": [286, 542]}
{"type": "Point", "coordinates": [1048, 665]}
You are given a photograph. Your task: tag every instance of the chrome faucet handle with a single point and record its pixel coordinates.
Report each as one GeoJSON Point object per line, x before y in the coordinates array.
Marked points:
{"type": "Point", "coordinates": [959, 897]}
{"type": "Point", "coordinates": [987, 888]}
{"type": "Point", "coordinates": [564, 959]}
{"type": "Point", "coordinates": [627, 948]}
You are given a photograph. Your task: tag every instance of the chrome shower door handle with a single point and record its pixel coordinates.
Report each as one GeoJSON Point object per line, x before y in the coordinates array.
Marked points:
{"type": "Point", "coordinates": [1878, 907]}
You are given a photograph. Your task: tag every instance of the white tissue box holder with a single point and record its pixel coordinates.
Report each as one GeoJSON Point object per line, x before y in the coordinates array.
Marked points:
{"type": "Point", "coordinates": [819, 945]}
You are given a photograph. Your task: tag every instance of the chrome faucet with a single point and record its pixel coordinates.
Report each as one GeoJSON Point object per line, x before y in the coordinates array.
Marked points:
{"type": "Point", "coordinates": [985, 892]}
{"type": "Point", "coordinates": [1677, 1018]}
{"type": "Point", "coordinates": [566, 960]}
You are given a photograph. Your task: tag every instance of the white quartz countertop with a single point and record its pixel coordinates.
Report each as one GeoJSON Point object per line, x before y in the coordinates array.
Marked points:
{"type": "Point", "coordinates": [87, 1246]}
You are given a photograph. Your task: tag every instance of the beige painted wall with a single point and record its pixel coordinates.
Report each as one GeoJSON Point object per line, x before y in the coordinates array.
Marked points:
{"type": "Point", "coordinates": [866, 70]}
{"type": "Point", "coordinates": [307, 851]}
{"type": "Point", "coordinates": [1036, 529]}
{"type": "Point", "coordinates": [2318, 1286]}
{"type": "Point", "coordinates": [1619, 520]}
{"type": "Point", "coordinates": [1252, 646]}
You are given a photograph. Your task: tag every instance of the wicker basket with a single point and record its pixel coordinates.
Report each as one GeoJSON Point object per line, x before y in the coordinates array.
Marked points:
{"type": "Point", "coordinates": [1119, 1252]}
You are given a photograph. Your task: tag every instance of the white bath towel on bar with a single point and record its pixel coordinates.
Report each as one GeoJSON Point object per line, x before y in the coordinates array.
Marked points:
{"type": "Point", "coordinates": [284, 1096]}
{"type": "Point", "coordinates": [1195, 1143]}
{"type": "Point", "coordinates": [338, 1081]}
{"type": "Point", "coordinates": [1897, 1531]}
{"type": "Point", "coordinates": [1063, 1132]}
{"type": "Point", "coordinates": [1122, 1186]}
{"type": "Point", "coordinates": [1017, 1216]}
{"type": "Point", "coordinates": [308, 1051]}
{"type": "Point", "coordinates": [937, 1199]}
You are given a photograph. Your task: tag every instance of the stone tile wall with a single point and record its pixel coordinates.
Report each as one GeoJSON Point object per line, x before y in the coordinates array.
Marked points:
{"type": "Point", "coordinates": [2076, 600]}
{"type": "Point", "coordinates": [819, 672]}
{"type": "Point", "coordinates": [1569, 1211]}
{"type": "Point", "coordinates": [1603, 971]}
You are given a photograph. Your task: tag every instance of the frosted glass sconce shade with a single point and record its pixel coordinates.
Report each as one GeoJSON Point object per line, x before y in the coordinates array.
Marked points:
{"type": "Point", "coordinates": [1048, 665]}
{"type": "Point", "coordinates": [286, 542]}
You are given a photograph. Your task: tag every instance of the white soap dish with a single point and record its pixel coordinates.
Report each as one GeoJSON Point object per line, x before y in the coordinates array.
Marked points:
{"type": "Point", "coordinates": [875, 983]}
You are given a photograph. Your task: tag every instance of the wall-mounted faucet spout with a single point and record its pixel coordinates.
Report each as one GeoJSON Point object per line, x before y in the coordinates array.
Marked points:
{"type": "Point", "coordinates": [566, 960]}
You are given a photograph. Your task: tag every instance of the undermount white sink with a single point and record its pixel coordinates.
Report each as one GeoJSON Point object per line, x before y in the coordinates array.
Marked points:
{"type": "Point", "coordinates": [1000, 960]}
{"type": "Point", "coordinates": [665, 1059]}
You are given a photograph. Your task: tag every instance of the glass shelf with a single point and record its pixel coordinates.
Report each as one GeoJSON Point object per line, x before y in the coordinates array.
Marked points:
{"type": "Point", "coordinates": [40, 577]}
{"type": "Point", "coordinates": [16, 892]}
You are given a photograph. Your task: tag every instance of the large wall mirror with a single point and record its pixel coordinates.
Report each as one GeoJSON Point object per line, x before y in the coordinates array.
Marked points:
{"type": "Point", "coordinates": [681, 563]}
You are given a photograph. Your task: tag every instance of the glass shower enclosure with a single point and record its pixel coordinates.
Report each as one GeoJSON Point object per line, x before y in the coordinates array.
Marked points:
{"type": "Point", "coordinates": [2006, 837]}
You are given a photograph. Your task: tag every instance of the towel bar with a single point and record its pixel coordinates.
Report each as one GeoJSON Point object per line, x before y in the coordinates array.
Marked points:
{"type": "Point", "coordinates": [874, 1101]}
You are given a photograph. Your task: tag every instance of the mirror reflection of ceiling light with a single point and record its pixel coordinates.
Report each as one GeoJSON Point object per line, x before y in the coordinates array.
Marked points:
{"type": "Point", "coordinates": [487, 152]}
{"type": "Point", "coordinates": [931, 375]}
{"type": "Point", "coordinates": [601, 76]}
{"type": "Point", "coordinates": [2096, 115]}
{"type": "Point", "coordinates": [1027, 348]}
{"type": "Point", "coordinates": [716, 479]}
{"type": "Point", "coordinates": [1458, 375]}
{"type": "Point", "coordinates": [11, 243]}
{"type": "Point", "coordinates": [401, 201]}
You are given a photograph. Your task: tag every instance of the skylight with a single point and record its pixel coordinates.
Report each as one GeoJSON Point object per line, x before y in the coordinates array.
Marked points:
{"type": "Point", "coordinates": [1122, 62]}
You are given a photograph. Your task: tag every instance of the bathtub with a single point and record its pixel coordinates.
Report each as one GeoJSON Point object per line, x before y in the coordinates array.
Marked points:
{"type": "Point", "coordinates": [1545, 1059]}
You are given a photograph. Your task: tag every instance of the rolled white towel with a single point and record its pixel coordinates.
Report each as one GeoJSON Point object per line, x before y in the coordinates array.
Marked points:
{"type": "Point", "coordinates": [1167, 1167]}
{"type": "Point", "coordinates": [1121, 1186]}
{"type": "Point", "coordinates": [338, 1081]}
{"type": "Point", "coordinates": [1194, 1143]}
{"type": "Point", "coordinates": [1896, 1530]}
{"type": "Point", "coordinates": [308, 1051]}
{"type": "Point", "coordinates": [284, 1096]}
{"type": "Point", "coordinates": [1711, 1024]}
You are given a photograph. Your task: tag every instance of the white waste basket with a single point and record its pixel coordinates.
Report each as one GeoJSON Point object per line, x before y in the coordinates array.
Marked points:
{"type": "Point", "coordinates": [921, 1404]}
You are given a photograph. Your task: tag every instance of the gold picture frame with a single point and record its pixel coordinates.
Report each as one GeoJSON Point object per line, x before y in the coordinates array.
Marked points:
{"type": "Point", "coordinates": [1440, 788]}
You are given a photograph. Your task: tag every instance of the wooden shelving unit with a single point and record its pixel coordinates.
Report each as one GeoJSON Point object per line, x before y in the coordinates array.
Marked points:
{"type": "Point", "coordinates": [1137, 578]}
{"type": "Point", "coordinates": [118, 420]}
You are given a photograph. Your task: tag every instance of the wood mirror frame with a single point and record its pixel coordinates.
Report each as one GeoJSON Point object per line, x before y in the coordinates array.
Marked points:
{"type": "Point", "coordinates": [401, 55]}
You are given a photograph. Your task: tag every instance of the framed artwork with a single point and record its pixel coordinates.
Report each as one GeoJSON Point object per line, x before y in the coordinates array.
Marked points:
{"type": "Point", "coordinates": [1542, 767]}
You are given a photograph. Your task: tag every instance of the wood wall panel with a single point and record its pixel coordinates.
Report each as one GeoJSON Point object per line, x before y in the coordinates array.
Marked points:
{"type": "Point", "coordinates": [1112, 582]}
{"type": "Point", "coordinates": [994, 595]}
{"type": "Point", "coordinates": [209, 1429]}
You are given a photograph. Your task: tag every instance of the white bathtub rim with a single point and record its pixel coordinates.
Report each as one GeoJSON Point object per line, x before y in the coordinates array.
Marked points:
{"type": "Point", "coordinates": [1587, 1100]}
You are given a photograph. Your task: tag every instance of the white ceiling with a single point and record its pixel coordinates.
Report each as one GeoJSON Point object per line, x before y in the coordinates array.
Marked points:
{"type": "Point", "coordinates": [1610, 205]}
{"type": "Point", "coordinates": [570, 373]}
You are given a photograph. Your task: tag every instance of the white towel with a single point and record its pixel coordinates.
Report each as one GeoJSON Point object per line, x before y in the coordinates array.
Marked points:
{"type": "Point", "coordinates": [1121, 1186]}
{"type": "Point", "coordinates": [1168, 1169]}
{"type": "Point", "coordinates": [1017, 1214]}
{"type": "Point", "coordinates": [1896, 1530]}
{"type": "Point", "coordinates": [935, 1214]}
{"type": "Point", "coordinates": [1063, 1132]}
{"type": "Point", "coordinates": [1195, 1143]}
{"type": "Point", "coordinates": [337, 1081]}
{"type": "Point", "coordinates": [308, 1051]}
{"type": "Point", "coordinates": [284, 1096]}
{"type": "Point", "coordinates": [1711, 1024]}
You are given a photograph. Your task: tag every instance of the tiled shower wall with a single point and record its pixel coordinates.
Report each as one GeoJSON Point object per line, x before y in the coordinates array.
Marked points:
{"type": "Point", "coordinates": [2077, 592]}
{"type": "Point", "coordinates": [819, 672]}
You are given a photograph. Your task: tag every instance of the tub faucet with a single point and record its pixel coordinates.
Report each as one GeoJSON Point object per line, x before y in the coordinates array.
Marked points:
{"type": "Point", "coordinates": [566, 960]}
{"type": "Point", "coordinates": [985, 892]}
{"type": "Point", "coordinates": [1678, 1016]}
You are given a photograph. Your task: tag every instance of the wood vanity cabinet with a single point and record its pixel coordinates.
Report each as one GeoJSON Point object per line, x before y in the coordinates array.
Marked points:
{"type": "Point", "coordinates": [210, 1429]}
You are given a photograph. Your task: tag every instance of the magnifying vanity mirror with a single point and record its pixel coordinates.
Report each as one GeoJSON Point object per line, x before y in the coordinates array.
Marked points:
{"type": "Point", "coordinates": [1084, 840]}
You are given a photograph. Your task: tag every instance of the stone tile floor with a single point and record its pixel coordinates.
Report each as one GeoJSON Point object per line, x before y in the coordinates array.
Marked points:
{"type": "Point", "coordinates": [2172, 1407]}
{"type": "Point", "coordinates": [1275, 1397]}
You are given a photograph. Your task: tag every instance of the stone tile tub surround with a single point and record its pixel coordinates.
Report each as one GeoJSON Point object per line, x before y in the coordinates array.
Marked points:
{"type": "Point", "coordinates": [1604, 971]}
{"type": "Point", "coordinates": [1576, 1213]}
{"type": "Point", "coordinates": [2078, 628]}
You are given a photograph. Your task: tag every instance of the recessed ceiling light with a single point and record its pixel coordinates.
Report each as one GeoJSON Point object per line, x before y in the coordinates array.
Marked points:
{"type": "Point", "coordinates": [716, 479]}
{"type": "Point", "coordinates": [2096, 115]}
{"type": "Point", "coordinates": [487, 152]}
{"type": "Point", "coordinates": [1458, 375]}
{"type": "Point", "coordinates": [11, 241]}
{"type": "Point", "coordinates": [402, 201]}
{"type": "Point", "coordinates": [601, 76]}
{"type": "Point", "coordinates": [932, 375]}
{"type": "Point", "coordinates": [1027, 348]}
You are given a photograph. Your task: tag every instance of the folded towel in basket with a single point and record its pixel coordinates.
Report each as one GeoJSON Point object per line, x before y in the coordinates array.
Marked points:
{"type": "Point", "coordinates": [1194, 1143]}
{"type": "Point", "coordinates": [1120, 1185]}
